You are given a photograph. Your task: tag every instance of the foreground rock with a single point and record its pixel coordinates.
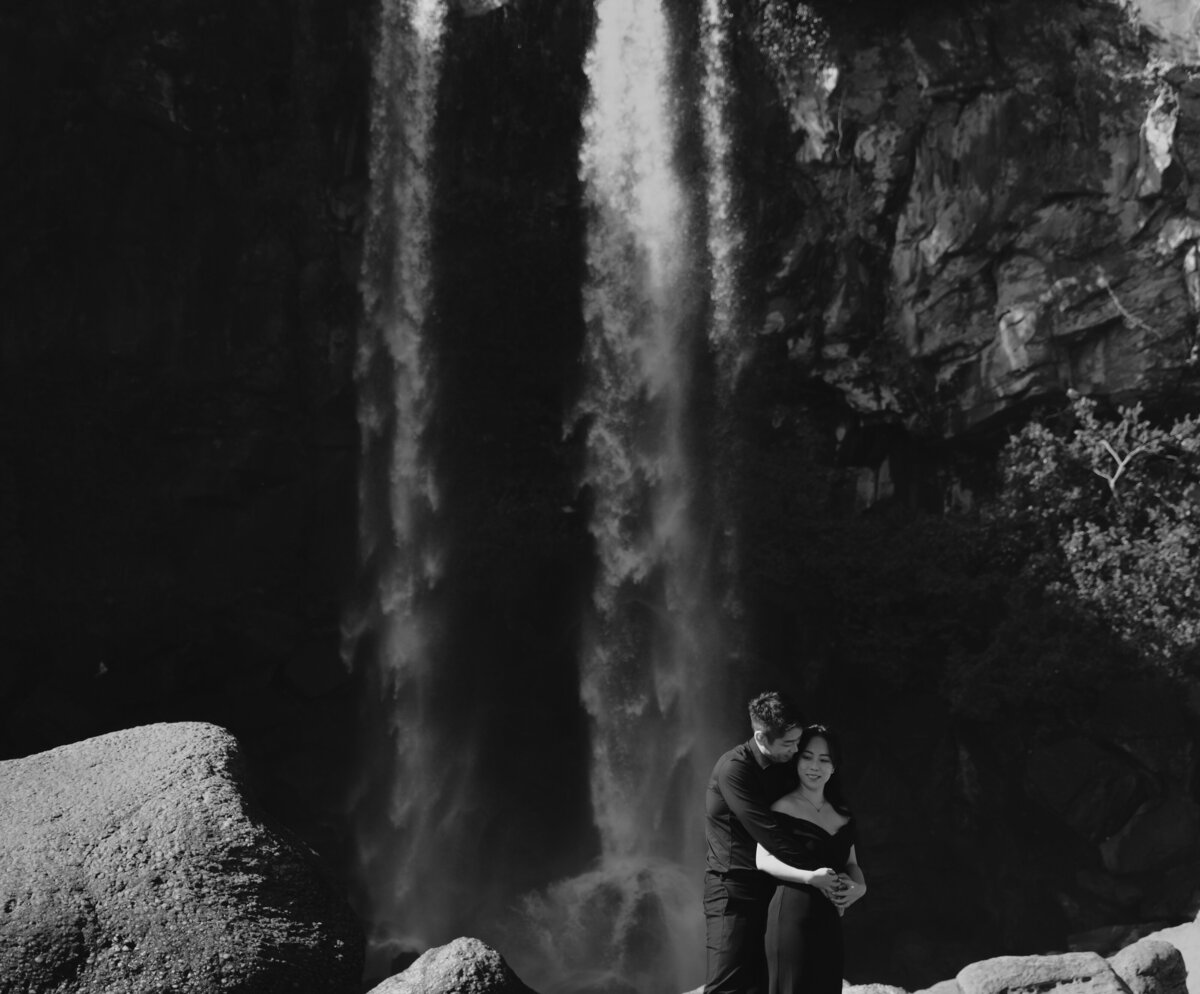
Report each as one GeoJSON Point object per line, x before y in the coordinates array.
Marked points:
{"type": "Point", "coordinates": [133, 862]}
{"type": "Point", "coordinates": [1152, 965]}
{"type": "Point", "coordinates": [464, 966]}
{"type": "Point", "coordinates": [1185, 938]}
{"type": "Point", "coordinates": [1068, 972]}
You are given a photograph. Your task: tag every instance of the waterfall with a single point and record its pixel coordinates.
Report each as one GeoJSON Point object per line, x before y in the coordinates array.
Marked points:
{"type": "Point", "coordinates": [660, 308]}
{"type": "Point", "coordinates": [400, 810]}
{"type": "Point", "coordinates": [640, 315]}
{"type": "Point", "coordinates": [725, 239]}
{"type": "Point", "coordinates": [653, 648]}
{"type": "Point", "coordinates": [725, 248]}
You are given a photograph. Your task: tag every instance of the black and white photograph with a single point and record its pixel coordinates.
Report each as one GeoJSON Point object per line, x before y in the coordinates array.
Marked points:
{"type": "Point", "coordinates": [600, 497]}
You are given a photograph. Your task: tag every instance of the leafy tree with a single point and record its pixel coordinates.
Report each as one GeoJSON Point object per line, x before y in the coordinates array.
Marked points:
{"type": "Point", "coordinates": [1104, 512]}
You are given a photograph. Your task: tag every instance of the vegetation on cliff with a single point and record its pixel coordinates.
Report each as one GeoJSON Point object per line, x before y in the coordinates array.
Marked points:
{"type": "Point", "coordinates": [1105, 513]}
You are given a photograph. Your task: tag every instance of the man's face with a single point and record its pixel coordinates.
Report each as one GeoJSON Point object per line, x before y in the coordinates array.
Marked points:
{"type": "Point", "coordinates": [782, 749]}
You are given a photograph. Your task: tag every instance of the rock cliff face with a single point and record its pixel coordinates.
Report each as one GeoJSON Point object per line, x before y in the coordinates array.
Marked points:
{"type": "Point", "coordinates": [994, 203]}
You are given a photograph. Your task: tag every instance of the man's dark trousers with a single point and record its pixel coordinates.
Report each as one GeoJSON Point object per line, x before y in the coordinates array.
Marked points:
{"type": "Point", "coordinates": [735, 918]}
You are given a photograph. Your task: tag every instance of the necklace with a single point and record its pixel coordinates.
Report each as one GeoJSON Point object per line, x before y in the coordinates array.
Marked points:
{"type": "Point", "coordinates": [816, 807]}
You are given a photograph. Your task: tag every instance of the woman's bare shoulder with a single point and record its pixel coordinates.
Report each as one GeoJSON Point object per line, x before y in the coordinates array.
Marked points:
{"type": "Point", "coordinates": [789, 804]}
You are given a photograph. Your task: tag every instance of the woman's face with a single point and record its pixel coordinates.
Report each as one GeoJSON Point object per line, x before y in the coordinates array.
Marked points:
{"type": "Point", "coordinates": [815, 763]}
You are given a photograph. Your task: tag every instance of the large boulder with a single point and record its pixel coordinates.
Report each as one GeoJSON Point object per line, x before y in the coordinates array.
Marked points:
{"type": "Point", "coordinates": [464, 966]}
{"type": "Point", "coordinates": [1163, 832]}
{"type": "Point", "coordinates": [1092, 789]}
{"type": "Point", "coordinates": [1151, 966]}
{"type": "Point", "coordinates": [1148, 966]}
{"type": "Point", "coordinates": [1185, 938]}
{"type": "Point", "coordinates": [1064, 973]}
{"type": "Point", "coordinates": [135, 862]}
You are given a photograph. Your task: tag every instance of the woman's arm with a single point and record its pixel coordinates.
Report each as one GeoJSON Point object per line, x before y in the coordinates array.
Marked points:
{"type": "Point", "coordinates": [823, 879]}
{"type": "Point", "coordinates": [853, 883]}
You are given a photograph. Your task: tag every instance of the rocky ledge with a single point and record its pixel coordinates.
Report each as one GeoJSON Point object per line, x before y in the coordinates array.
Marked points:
{"type": "Point", "coordinates": [135, 862]}
{"type": "Point", "coordinates": [1159, 964]}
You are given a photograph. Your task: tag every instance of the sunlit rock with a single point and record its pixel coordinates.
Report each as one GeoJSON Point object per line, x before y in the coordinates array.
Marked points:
{"type": "Point", "coordinates": [135, 862]}
{"type": "Point", "coordinates": [1151, 966]}
{"type": "Point", "coordinates": [464, 966]}
{"type": "Point", "coordinates": [1066, 973]}
{"type": "Point", "coordinates": [1185, 938]}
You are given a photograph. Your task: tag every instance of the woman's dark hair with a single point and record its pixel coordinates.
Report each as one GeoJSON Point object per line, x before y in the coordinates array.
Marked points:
{"type": "Point", "coordinates": [833, 786]}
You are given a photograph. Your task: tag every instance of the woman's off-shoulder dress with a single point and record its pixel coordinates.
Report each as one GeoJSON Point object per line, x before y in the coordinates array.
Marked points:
{"type": "Point", "coordinates": [804, 930]}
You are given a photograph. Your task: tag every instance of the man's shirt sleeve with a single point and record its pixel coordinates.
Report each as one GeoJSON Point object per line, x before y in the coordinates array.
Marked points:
{"type": "Point", "coordinates": [744, 794]}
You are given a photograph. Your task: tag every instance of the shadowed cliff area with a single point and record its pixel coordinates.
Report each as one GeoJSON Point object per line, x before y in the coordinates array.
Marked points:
{"type": "Point", "coordinates": [181, 184]}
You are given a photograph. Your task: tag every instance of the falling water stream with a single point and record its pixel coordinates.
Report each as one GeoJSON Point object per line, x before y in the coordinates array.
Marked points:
{"type": "Point", "coordinates": [724, 233]}
{"type": "Point", "coordinates": [398, 808]}
{"type": "Point", "coordinates": [725, 255]}
{"type": "Point", "coordinates": [660, 312]}
{"type": "Point", "coordinates": [653, 654]}
{"type": "Point", "coordinates": [640, 312]}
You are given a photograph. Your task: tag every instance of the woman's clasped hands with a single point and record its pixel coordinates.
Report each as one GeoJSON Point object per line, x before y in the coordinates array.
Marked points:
{"type": "Point", "coordinates": [846, 891]}
{"type": "Point", "coordinates": [841, 888]}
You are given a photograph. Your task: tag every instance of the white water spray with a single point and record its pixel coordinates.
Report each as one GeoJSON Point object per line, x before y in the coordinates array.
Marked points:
{"type": "Point", "coordinates": [653, 641]}
{"type": "Point", "coordinates": [726, 245]}
{"type": "Point", "coordinates": [725, 235]}
{"type": "Point", "coordinates": [640, 321]}
{"type": "Point", "coordinates": [400, 808]}
{"type": "Point", "coordinates": [654, 648]}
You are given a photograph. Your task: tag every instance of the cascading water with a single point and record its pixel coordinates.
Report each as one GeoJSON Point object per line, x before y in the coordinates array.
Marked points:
{"type": "Point", "coordinates": [400, 808]}
{"type": "Point", "coordinates": [640, 315]}
{"type": "Point", "coordinates": [654, 651]}
{"type": "Point", "coordinates": [724, 232]}
{"type": "Point", "coordinates": [653, 655]}
{"type": "Point", "coordinates": [725, 249]}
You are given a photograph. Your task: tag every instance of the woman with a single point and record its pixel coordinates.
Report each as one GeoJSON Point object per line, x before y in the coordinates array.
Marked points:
{"type": "Point", "coordinates": [820, 878]}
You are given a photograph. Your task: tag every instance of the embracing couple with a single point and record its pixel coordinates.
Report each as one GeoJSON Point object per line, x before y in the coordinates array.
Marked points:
{"type": "Point", "coordinates": [781, 867]}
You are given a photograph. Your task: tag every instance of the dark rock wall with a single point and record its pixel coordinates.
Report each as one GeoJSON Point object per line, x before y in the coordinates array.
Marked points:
{"type": "Point", "coordinates": [989, 203]}
{"type": "Point", "coordinates": [181, 185]}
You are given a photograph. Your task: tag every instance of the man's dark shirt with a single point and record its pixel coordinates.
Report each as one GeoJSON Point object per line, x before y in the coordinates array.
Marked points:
{"type": "Point", "coordinates": [743, 786]}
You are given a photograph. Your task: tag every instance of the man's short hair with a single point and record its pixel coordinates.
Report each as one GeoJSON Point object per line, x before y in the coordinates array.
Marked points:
{"type": "Point", "coordinates": [773, 714]}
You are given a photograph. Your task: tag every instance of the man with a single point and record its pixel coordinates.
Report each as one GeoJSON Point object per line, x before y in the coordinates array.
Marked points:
{"type": "Point", "coordinates": [746, 781]}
